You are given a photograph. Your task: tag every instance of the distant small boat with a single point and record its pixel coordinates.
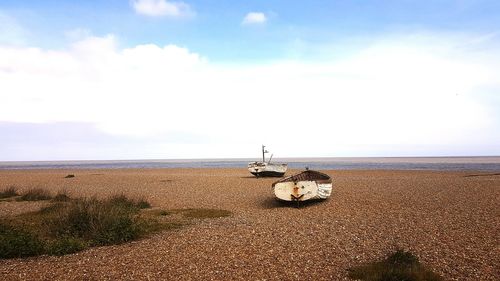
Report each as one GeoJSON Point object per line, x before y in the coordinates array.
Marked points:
{"type": "Point", "coordinates": [307, 185]}
{"type": "Point", "coordinates": [267, 169]}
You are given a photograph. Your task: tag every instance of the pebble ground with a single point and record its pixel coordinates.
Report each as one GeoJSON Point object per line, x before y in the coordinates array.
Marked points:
{"type": "Point", "coordinates": [450, 220]}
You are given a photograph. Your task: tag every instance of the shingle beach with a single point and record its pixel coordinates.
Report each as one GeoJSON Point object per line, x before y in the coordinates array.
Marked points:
{"type": "Point", "coordinates": [450, 220]}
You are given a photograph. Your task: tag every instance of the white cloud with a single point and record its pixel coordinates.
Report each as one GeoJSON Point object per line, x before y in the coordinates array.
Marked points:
{"type": "Point", "coordinates": [160, 8]}
{"type": "Point", "coordinates": [254, 18]}
{"type": "Point", "coordinates": [78, 34]}
{"type": "Point", "coordinates": [394, 92]}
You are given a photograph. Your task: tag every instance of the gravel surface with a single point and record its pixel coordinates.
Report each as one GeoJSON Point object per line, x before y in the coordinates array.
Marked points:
{"type": "Point", "coordinates": [452, 222]}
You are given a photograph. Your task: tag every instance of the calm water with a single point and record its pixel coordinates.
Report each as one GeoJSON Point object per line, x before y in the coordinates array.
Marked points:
{"type": "Point", "coordinates": [413, 163]}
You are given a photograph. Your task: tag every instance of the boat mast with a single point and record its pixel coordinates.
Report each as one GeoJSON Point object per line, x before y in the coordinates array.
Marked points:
{"type": "Point", "coordinates": [263, 153]}
{"type": "Point", "coordinates": [270, 158]}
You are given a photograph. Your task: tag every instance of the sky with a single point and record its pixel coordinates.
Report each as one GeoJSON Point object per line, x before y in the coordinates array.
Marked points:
{"type": "Point", "coordinates": [161, 79]}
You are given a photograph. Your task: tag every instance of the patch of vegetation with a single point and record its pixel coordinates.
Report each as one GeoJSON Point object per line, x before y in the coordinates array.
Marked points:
{"type": "Point", "coordinates": [400, 265]}
{"type": "Point", "coordinates": [154, 220]}
{"type": "Point", "coordinates": [101, 222]}
{"type": "Point", "coordinates": [69, 176]}
{"type": "Point", "coordinates": [205, 213]}
{"type": "Point", "coordinates": [16, 243]}
{"type": "Point", "coordinates": [143, 204]}
{"type": "Point", "coordinates": [66, 245]}
{"type": "Point", "coordinates": [8, 192]}
{"type": "Point", "coordinates": [35, 194]}
{"type": "Point", "coordinates": [71, 225]}
{"type": "Point", "coordinates": [61, 196]}
{"type": "Point", "coordinates": [129, 203]}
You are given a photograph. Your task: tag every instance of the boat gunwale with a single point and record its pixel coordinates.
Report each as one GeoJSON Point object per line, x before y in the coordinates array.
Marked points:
{"type": "Point", "coordinates": [323, 178]}
{"type": "Point", "coordinates": [259, 163]}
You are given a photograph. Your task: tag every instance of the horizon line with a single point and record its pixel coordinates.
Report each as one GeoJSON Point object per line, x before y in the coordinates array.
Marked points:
{"type": "Point", "coordinates": [250, 158]}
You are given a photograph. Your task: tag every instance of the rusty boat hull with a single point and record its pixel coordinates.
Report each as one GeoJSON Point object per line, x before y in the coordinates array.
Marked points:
{"type": "Point", "coordinates": [307, 185]}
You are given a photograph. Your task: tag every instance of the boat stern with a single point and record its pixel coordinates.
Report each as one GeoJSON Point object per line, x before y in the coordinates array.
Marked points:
{"type": "Point", "coordinates": [303, 186]}
{"type": "Point", "coordinates": [256, 168]}
{"type": "Point", "coordinates": [298, 191]}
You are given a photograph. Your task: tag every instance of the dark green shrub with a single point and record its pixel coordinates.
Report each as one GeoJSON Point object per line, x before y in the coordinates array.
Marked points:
{"type": "Point", "coordinates": [35, 194]}
{"type": "Point", "coordinates": [116, 230]}
{"type": "Point", "coordinates": [398, 266]}
{"type": "Point", "coordinates": [15, 243]}
{"type": "Point", "coordinates": [8, 192]}
{"type": "Point", "coordinates": [66, 245]}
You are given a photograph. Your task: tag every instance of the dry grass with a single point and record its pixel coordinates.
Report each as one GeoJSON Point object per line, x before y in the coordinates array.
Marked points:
{"type": "Point", "coordinates": [61, 196]}
{"type": "Point", "coordinates": [35, 194]}
{"type": "Point", "coordinates": [100, 222]}
{"type": "Point", "coordinates": [121, 199]}
{"type": "Point", "coordinates": [8, 192]}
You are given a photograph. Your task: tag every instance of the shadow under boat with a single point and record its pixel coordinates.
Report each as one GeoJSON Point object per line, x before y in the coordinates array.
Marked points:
{"type": "Point", "coordinates": [272, 203]}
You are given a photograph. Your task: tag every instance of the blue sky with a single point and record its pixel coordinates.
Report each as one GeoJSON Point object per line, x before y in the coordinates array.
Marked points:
{"type": "Point", "coordinates": [216, 32]}
{"type": "Point", "coordinates": [173, 79]}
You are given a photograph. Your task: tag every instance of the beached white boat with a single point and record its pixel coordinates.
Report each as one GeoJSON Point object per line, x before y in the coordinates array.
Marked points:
{"type": "Point", "coordinates": [307, 185]}
{"type": "Point", "coordinates": [267, 169]}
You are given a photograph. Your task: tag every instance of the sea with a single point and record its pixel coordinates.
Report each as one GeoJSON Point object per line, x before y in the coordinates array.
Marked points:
{"type": "Point", "coordinates": [490, 164]}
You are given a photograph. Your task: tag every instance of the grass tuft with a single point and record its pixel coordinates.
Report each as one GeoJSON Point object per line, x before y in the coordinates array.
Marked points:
{"type": "Point", "coordinates": [129, 203]}
{"type": "Point", "coordinates": [402, 258]}
{"type": "Point", "coordinates": [400, 265]}
{"type": "Point", "coordinates": [143, 204]}
{"type": "Point", "coordinates": [8, 192]}
{"type": "Point", "coordinates": [121, 200]}
{"type": "Point", "coordinates": [35, 194]}
{"type": "Point", "coordinates": [61, 196]}
{"type": "Point", "coordinates": [100, 222]}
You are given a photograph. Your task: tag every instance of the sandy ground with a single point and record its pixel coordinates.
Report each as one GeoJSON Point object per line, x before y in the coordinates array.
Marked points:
{"type": "Point", "coordinates": [450, 220]}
